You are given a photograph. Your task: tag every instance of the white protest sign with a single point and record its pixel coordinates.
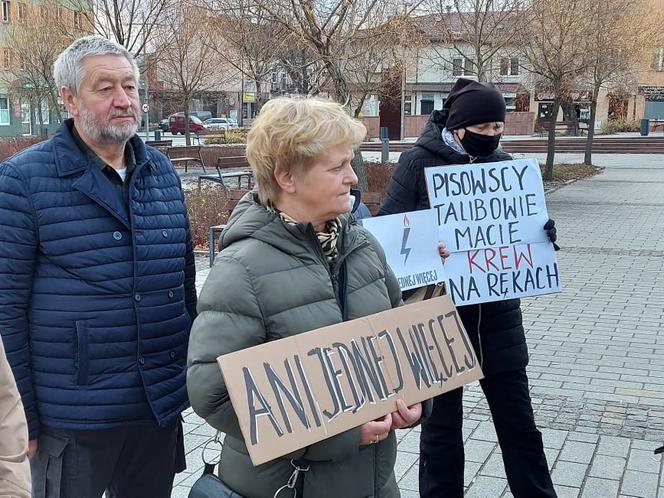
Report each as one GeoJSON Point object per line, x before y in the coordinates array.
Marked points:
{"type": "Point", "coordinates": [491, 218]}
{"type": "Point", "coordinates": [410, 241]}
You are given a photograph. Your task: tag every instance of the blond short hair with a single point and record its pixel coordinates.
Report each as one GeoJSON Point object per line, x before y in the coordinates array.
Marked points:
{"type": "Point", "coordinates": [291, 134]}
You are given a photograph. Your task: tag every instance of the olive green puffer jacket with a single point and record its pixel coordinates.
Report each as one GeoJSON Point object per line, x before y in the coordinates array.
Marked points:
{"type": "Point", "coordinates": [272, 281]}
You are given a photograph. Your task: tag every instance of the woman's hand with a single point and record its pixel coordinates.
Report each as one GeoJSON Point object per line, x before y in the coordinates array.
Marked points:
{"type": "Point", "coordinates": [405, 416]}
{"type": "Point", "coordinates": [442, 250]}
{"type": "Point", "coordinates": [376, 430]}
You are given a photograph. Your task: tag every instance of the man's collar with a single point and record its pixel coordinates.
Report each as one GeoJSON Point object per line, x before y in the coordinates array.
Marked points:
{"type": "Point", "coordinates": [94, 158]}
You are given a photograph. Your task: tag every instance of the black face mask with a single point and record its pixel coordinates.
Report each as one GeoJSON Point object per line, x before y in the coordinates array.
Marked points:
{"type": "Point", "coordinates": [478, 145]}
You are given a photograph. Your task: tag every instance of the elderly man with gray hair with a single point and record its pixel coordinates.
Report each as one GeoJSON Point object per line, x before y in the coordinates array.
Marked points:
{"type": "Point", "coordinates": [97, 289]}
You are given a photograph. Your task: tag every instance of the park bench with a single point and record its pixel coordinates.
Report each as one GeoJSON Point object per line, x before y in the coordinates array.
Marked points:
{"type": "Point", "coordinates": [185, 155]}
{"type": "Point", "coordinates": [221, 133]}
{"type": "Point", "coordinates": [159, 143]}
{"type": "Point", "coordinates": [232, 198]}
{"type": "Point", "coordinates": [566, 127]}
{"type": "Point", "coordinates": [229, 167]}
{"type": "Point", "coordinates": [656, 124]}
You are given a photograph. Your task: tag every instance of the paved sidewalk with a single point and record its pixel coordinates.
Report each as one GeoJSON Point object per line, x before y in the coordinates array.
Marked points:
{"type": "Point", "coordinates": [597, 349]}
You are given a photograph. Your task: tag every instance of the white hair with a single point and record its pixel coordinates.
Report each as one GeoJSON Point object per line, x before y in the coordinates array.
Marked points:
{"type": "Point", "coordinates": [68, 70]}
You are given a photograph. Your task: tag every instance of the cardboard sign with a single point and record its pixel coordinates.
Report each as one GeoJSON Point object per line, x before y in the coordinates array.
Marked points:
{"type": "Point", "coordinates": [410, 242]}
{"type": "Point", "coordinates": [491, 218]}
{"type": "Point", "coordinates": [294, 392]}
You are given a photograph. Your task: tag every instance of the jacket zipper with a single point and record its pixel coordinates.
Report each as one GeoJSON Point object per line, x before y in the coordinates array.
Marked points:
{"type": "Point", "coordinates": [334, 276]}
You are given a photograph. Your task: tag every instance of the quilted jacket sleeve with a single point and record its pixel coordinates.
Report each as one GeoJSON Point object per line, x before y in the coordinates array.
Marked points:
{"type": "Point", "coordinates": [229, 319]}
{"type": "Point", "coordinates": [18, 247]}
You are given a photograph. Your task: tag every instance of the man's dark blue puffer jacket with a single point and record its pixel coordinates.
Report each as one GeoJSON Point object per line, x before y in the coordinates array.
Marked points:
{"type": "Point", "coordinates": [96, 296]}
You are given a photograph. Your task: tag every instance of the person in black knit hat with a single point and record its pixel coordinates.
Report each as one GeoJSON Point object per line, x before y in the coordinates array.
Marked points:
{"type": "Point", "coordinates": [468, 130]}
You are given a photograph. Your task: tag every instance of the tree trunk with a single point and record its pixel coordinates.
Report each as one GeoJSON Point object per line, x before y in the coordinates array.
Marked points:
{"type": "Point", "coordinates": [588, 157]}
{"type": "Point", "coordinates": [551, 144]}
{"type": "Point", "coordinates": [339, 82]}
{"type": "Point", "coordinates": [187, 135]}
{"type": "Point", "coordinates": [53, 104]}
{"type": "Point", "coordinates": [358, 166]}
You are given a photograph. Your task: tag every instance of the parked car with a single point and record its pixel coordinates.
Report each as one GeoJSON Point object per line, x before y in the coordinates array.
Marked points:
{"type": "Point", "coordinates": [176, 124]}
{"type": "Point", "coordinates": [221, 124]}
{"type": "Point", "coordinates": [163, 124]}
{"type": "Point", "coordinates": [202, 115]}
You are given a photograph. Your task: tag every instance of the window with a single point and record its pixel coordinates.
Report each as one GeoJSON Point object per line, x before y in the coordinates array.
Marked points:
{"type": "Point", "coordinates": [658, 59]}
{"type": "Point", "coordinates": [457, 68]}
{"type": "Point", "coordinates": [504, 66]}
{"type": "Point", "coordinates": [6, 11]}
{"type": "Point", "coordinates": [468, 67]}
{"type": "Point", "coordinates": [462, 67]}
{"type": "Point", "coordinates": [7, 58]}
{"type": "Point", "coordinates": [4, 111]}
{"type": "Point", "coordinates": [22, 12]}
{"type": "Point", "coordinates": [426, 104]}
{"type": "Point", "coordinates": [514, 66]}
{"type": "Point", "coordinates": [407, 105]}
{"type": "Point", "coordinates": [509, 66]}
{"type": "Point", "coordinates": [45, 111]}
{"type": "Point", "coordinates": [26, 122]}
{"type": "Point", "coordinates": [77, 20]}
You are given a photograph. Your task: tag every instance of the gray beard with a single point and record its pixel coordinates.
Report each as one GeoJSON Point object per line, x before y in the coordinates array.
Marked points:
{"type": "Point", "coordinates": [109, 133]}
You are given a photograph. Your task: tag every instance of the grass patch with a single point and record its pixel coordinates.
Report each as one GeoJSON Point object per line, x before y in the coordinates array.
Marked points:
{"type": "Point", "coordinates": [566, 172]}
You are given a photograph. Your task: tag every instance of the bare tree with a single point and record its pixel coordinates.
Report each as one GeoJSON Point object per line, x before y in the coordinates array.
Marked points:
{"type": "Point", "coordinates": [616, 46]}
{"type": "Point", "coordinates": [556, 55]}
{"type": "Point", "coordinates": [330, 31]}
{"type": "Point", "coordinates": [131, 23]}
{"type": "Point", "coordinates": [302, 65]}
{"type": "Point", "coordinates": [476, 31]}
{"type": "Point", "coordinates": [34, 42]}
{"type": "Point", "coordinates": [243, 35]}
{"type": "Point", "coordinates": [187, 65]}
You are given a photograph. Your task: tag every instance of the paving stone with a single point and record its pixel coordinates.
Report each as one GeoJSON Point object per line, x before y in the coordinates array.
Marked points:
{"type": "Point", "coordinates": [180, 491]}
{"type": "Point", "coordinates": [575, 451]}
{"type": "Point", "coordinates": [470, 471]}
{"type": "Point", "coordinates": [404, 463]}
{"type": "Point", "coordinates": [600, 488]}
{"type": "Point", "coordinates": [478, 451]}
{"type": "Point", "coordinates": [410, 443]}
{"type": "Point", "coordinates": [406, 493]}
{"type": "Point", "coordinates": [494, 466]}
{"type": "Point", "coordinates": [608, 467]}
{"type": "Point", "coordinates": [613, 446]}
{"type": "Point", "coordinates": [640, 484]}
{"type": "Point", "coordinates": [485, 431]}
{"type": "Point", "coordinates": [551, 456]}
{"type": "Point", "coordinates": [569, 473]}
{"type": "Point", "coordinates": [410, 480]}
{"type": "Point", "coordinates": [484, 486]}
{"type": "Point", "coordinates": [644, 461]}
{"type": "Point", "coordinates": [553, 438]}
{"type": "Point", "coordinates": [567, 492]}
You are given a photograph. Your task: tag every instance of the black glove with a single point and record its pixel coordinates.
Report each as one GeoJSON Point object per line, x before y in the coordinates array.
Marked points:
{"type": "Point", "coordinates": [551, 232]}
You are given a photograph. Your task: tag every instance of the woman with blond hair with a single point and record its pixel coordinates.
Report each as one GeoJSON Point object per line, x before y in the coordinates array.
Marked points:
{"type": "Point", "coordinates": [293, 260]}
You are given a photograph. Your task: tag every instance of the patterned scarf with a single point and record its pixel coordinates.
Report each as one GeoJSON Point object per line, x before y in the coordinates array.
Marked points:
{"type": "Point", "coordinates": [327, 238]}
